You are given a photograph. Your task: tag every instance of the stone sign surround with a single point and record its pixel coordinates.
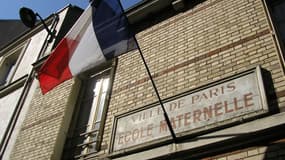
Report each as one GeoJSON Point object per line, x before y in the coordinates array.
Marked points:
{"type": "Point", "coordinates": [224, 102]}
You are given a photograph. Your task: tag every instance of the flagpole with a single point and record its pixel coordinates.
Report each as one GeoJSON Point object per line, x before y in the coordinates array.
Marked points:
{"type": "Point", "coordinates": [153, 84]}
{"type": "Point", "coordinates": [157, 94]}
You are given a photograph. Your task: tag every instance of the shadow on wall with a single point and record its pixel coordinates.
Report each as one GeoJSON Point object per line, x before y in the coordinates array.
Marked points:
{"type": "Point", "coordinates": [275, 151]}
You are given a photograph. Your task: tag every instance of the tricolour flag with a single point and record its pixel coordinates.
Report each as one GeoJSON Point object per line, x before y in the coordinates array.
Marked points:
{"type": "Point", "coordinates": [100, 34]}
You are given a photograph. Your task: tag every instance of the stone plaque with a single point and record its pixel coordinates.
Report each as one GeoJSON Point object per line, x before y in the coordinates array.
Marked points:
{"type": "Point", "coordinates": [221, 103]}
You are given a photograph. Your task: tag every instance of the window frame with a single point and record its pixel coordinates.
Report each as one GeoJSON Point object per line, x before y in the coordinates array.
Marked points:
{"type": "Point", "coordinates": [9, 73]}
{"type": "Point", "coordinates": [107, 73]}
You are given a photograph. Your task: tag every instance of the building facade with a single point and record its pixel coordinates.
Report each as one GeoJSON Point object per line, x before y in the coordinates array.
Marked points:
{"type": "Point", "coordinates": [218, 66]}
{"type": "Point", "coordinates": [18, 84]}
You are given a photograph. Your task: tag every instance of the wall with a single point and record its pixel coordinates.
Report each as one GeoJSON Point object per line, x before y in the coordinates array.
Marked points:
{"type": "Point", "coordinates": [269, 151]}
{"type": "Point", "coordinates": [39, 132]}
{"type": "Point", "coordinates": [43, 124]}
{"type": "Point", "coordinates": [214, 40]}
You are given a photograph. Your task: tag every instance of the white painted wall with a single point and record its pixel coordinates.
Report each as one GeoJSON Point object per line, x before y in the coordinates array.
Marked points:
{"type": "Point", "coordinates": [7, 107]}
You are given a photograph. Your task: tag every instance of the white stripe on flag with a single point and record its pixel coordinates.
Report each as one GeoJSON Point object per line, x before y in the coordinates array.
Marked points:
{"type": "Point", "coordinates": [88, 53]}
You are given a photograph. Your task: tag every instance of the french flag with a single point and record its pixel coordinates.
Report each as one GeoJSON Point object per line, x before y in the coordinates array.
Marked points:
{"type": "Point", "coordinates": [100, 34]}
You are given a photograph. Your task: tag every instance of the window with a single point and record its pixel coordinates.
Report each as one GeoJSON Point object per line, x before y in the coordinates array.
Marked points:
{"type": "Point", "coordinates": [8, 65]}
{"type": "Point", "coordinates": [86, 127]}
{"type": "Point", "coordinates": [277, 8]}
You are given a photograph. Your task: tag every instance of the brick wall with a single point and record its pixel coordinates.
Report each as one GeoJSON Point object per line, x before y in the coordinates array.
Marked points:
{"type": "Point", "coordinates": [214, 40]}
{"type": "Point", "coordinates": [43, 125]}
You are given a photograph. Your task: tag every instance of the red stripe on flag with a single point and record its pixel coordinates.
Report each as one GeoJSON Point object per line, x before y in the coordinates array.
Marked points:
{"type": "Point", "coordinates": [56, 70]}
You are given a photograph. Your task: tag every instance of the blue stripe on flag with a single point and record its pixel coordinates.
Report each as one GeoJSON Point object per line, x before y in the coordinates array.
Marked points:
{"type": "Point", "coordinates": [111, 29]}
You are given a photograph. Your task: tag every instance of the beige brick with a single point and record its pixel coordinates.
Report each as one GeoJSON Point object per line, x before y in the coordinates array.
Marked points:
{"type": "Point", "coordinates": [237, 156]}
{"type": "Point", "coordinates": [252, 152]}
{"type": "Point", "coordinates": [256, 157]}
